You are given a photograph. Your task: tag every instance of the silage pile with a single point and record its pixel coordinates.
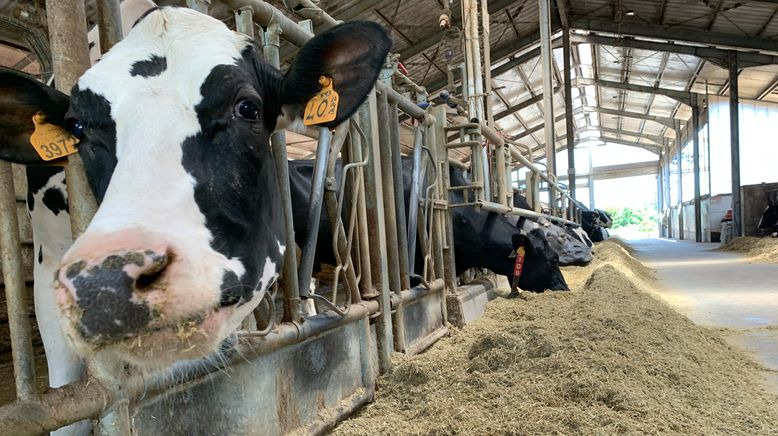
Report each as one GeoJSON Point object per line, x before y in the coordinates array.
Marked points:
{"type": "Point", "coordinates": [757, 249]}
{"type": "Point", "coordinates": [605, 358]}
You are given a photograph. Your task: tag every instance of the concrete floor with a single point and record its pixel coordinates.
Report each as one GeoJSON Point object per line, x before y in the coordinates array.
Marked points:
{"type": "Point", "coordinates": [720, 290]}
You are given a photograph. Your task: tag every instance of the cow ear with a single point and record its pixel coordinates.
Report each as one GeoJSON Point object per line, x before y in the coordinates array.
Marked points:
{"type": "Point", "coordinates": [350, 54]}
{"type": "Point", "coordinates": [21, 97]}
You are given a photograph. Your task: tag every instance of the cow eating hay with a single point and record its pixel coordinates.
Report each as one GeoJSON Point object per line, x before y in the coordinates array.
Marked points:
{"type": "Point", "coordinates": [605, 358]}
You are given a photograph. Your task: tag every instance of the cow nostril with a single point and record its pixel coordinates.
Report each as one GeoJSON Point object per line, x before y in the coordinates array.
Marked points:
{"type": "Point", "coordinates": [145, 281]}
{"type": "Point", "coordinates": [153, 271]}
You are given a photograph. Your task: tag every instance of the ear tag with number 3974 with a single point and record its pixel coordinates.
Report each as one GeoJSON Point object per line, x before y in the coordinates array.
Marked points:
{"type": "Point", "coordinates": [323, 107]}
{"type": "Point", "coordinates": [51, 141]}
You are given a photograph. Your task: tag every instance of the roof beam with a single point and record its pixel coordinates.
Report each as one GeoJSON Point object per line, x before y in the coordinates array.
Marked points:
{"type": "Point", "coordinates": [434, 38]}
{"type": "Point", "coordinates": [667, 122]}
{"type": "Point", "coordinates": [682, 96]}
{"type": "Point", "coordinates": [677, 34]}
{"type": "Point", "coordinates": [647, 168]}
{"type": "Point", "coordinates": [523, 104]}
{"type": "Point", "coordinates": [714, 55]}
{"type": "Point", "coordinates": [769, 90]}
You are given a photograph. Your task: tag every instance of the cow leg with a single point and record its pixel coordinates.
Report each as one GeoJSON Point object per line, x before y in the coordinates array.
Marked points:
{"type": "Point", "coordinates": [308, 306]}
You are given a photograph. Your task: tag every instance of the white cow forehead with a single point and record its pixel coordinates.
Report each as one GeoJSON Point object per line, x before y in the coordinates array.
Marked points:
{"type": "Point", "coordinates": [191, 43]}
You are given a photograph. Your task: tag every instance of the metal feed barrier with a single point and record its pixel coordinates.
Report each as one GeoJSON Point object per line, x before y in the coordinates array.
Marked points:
{"type": "Point", "coordinates": [370, 309]}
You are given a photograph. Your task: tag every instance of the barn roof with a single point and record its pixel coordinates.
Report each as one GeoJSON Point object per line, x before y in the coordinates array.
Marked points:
{"type": "Point", "coordinates": [633, 60]}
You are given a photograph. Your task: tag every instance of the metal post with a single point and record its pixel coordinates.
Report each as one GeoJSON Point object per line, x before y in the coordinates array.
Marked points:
{"type": "Point", "coordinates": [590, 181]}
{"type": "Point", "coordinates": [315, 201]}
{"type": "Point", "coordinates": [110, 23]}
{"type": "Point", "coordinates": [548, 96]}
{"type": "Point", "coordinates": [392, 252]}
{"type": "Point", "coordinates": [487, 62]}
{"type": "Point", "coordinates": [413, 204]}
{"type": "Point", "coordinates": [696, 157]}
{"type": "Point", "coordinates": [734, 143]}
{"type": "Point", "coordinates": [377, 228]}
{"type": "Point", "coordinates": [244, 22]}
{"type": "Point", "coordinates": [70, 58]}
{"type": "Point", "coordinates": [569, 122]}
{"type": "Point", "coordinates": [366, 282]}
{"type": "Point", "coordinates": [449, 264]}
{"type": "Point", "coordinates": [18, 319]}
{"type": "Point", "coordinates": [278, 144]}
{"type": "Point", "coordinates": [667, 196]}
{"type": "Point", "coordinates": [399, 199]}
{"type": "Point", "coordinates": [679, 158]}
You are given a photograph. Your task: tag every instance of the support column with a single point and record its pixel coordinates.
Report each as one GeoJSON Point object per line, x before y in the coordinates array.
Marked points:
{"type": "Point", "coordinates": [110, 23]}
{"type": "Point", "coordinates": [679, 156]}
{"type": "Point", "coordinates": [569, 122]}
{"type": "Point", "coordinates": [590, 182]}
{"type": "Point", "coordinates": [659, 195]}
{"type": "Point", "coordinates": [548, 97]}
{"type": "Point", "coordinates": [734, 143]}
{"type": "Point", "coordinates": [70, 59]}
{"type": "Point", "coordinates": [696, 151]}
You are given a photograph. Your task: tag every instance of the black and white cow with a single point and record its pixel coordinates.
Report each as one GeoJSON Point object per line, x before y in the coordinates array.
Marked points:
{"type": "Point", "coordinates": [174, 124]}
{"type": "Point", "coordinates": [481, 239]}
{"type": "Point", "coordinates": [595, 223]}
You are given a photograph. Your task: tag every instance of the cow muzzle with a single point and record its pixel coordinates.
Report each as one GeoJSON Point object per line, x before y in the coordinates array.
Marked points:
{"type": "Point", "coordinates": [113, 296]}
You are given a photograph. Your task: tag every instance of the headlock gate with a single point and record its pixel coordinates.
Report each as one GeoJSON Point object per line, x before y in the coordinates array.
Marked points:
{"type": "Point", "coordinates": [285, 370]}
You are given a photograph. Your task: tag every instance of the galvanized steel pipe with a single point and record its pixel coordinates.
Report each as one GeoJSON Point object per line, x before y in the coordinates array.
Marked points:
{"type": "Point", "coordinates": [403, 247]}
{"type": "Point", "coordinates": [314, 212]}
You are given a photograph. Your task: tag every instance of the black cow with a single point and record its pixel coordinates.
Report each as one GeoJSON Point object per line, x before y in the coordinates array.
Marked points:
{"type": "Point", "coordinates": [481, 239]}
{"type": "Point", "coordinates": [769, 220]}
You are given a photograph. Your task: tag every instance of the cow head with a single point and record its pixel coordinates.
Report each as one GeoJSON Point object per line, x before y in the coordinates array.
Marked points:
{"type": "Point", "coordinates": [485, 240]}
{"type": "Point", "coordinates": [174, 124]}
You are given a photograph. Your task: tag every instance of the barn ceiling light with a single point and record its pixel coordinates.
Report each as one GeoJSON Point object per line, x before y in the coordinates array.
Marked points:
{"type": "Point", "coordinates": [630, 13]}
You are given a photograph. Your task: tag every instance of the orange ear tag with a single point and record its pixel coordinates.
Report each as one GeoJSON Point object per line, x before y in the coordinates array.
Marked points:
{"type": "Point", "coordinates": [51, 141]}
{"type": "Point", "coordinates": [323, 107]}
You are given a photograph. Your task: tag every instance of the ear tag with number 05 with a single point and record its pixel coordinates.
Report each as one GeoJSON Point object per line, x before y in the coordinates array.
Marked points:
{"type": "Point", "coordinates": [51, 141]}
{"type": "Point", "coordinates": [323, 107]}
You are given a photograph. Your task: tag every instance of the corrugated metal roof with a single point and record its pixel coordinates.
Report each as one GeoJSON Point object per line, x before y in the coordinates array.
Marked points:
{"type": "Point", "coordinates": [415, 32]}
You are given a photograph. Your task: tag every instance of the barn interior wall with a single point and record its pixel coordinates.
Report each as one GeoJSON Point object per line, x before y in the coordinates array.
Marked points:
{"type": "Point", "coordinates": [758, 153]}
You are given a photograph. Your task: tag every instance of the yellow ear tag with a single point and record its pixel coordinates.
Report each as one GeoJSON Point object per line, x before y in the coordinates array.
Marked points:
{"type": "Point", "coordinates": [521, 251]}
{"type": "Point", "coordinates": [323, 107]}
{"type": "Point", "coordinates": [51, 141]}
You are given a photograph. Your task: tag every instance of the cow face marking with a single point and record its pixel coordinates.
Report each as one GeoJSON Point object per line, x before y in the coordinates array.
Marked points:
{"type": "Point", "coordinates": [154, 66]}
{"type": "Point", "coordinates": [54, 200]}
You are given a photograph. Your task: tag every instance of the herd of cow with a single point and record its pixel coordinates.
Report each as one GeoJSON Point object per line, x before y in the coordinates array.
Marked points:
{"type": "Point", "coordinates": [173, 128]}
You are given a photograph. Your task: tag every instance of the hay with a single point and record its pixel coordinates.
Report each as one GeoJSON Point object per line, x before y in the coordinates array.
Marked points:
{"type": "Point", "coordinates": [756, 249]}
{"type": "Point", "coordinates": [605, 358]}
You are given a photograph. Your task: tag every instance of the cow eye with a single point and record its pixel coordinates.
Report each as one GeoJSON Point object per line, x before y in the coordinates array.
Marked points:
{"type": "Point", "coordinates": [75, 127]}
{"type": "Point", "coordinates": [246, 110]}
